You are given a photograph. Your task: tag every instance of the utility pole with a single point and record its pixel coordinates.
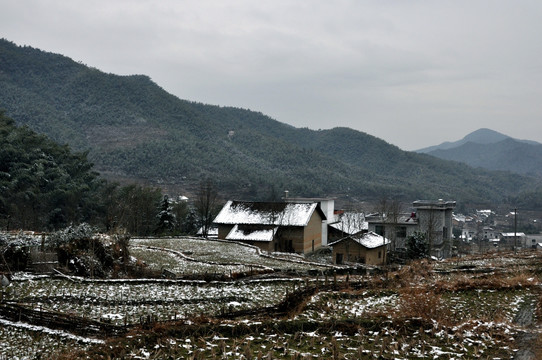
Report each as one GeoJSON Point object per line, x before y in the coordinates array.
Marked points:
{"type": "Point", "coordinates": [515, 231]}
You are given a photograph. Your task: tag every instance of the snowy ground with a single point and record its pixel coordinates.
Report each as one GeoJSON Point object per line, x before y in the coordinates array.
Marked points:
{"type": "Point", "coordinates": [196, 254]}
{"type": "Point", "coordinates": [461, 309]}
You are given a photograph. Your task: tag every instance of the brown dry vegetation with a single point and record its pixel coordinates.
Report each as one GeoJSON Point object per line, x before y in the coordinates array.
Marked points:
{"type": "Point", "coordinates": [422, 318]}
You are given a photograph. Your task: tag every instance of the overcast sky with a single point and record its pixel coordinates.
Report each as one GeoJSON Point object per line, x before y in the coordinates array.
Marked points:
{"type": "Point", "coordinates": [414, 73]}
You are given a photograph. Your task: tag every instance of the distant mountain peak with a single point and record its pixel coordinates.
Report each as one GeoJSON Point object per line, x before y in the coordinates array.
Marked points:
{"type": "Point", "coordinates": [489, 149]}
{"type": "Point", "coordinates": [485, 136]}
{"type": "Point", "coordinates": [482, 136]}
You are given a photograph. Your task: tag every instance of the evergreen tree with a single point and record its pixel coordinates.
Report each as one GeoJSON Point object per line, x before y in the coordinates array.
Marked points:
{"type": "Point", "coordinates": [44, 186]}
{"type": "Point", "coordinates": [416, 246]}
{"type": "Point", "coordinates": [166, 217]}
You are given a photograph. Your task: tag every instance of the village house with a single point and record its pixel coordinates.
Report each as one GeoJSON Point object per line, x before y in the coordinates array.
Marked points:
{"type": "Point", "coordinates": [434, 218]}
{"type": "Point", "coordinates": [367, 248]}
{"type": "Point", "coordinates": [272, 226]}
{"type": "Point", "coordinates": [489, 233]}
{"type": "Point", "coordinates": [396, 228]}
{"type": "Point", "coordinates": [348, 223]}
{"type": "Point", "coordinates": [512, 239]}
{"type": "Point", "coordinates": [326, 205]}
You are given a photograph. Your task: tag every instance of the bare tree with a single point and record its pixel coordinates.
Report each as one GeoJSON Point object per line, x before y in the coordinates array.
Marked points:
{"type": "Point", "coordinates": [352, 222]}
{"type": "Point", "coordinates": [206, 205]}
{"type": "Point", "coordinates": [390, 212]}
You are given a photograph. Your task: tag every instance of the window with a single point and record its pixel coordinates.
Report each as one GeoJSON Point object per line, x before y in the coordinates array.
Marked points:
{"type": "Point", "coordinates": [401, 232]}
{"type": "Point", "coordinates": [379, 229]}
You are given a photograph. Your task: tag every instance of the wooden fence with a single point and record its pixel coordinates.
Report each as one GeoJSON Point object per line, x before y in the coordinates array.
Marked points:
{"type": "Point", "coordinates": [60, 321]}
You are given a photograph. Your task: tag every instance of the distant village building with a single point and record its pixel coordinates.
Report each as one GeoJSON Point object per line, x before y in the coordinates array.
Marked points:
{"type": "Point", "coordinates": [512, 239]}
{"type": "Point", "coordinates": [489, 233]}
{"type": "Point", "coordinates": [272, 226]}
{"type": "Point", "coordinates": [434, 218]}
{"type": "Point", "coordinates": [534, 241]}
{"type": "Point", "coordinates": [395, 227]}
{"type": "Point", "coordinates": [467, 233]}
{"type": "Point", "coordinates": [367, 248]}
{"type": "Point", "coordinates": [484, 213]}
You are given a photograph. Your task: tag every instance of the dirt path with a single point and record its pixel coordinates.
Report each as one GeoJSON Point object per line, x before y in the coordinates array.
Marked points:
{"type": "Point", "coordinates": [527, 340]}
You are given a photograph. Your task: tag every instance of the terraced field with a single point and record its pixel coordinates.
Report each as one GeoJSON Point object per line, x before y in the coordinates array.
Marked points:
{"type": "Point", "coordinates": [468, 308]}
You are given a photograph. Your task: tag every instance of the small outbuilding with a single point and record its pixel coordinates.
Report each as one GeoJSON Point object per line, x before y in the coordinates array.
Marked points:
{"type": "Point", "coordinates": [366, 248]}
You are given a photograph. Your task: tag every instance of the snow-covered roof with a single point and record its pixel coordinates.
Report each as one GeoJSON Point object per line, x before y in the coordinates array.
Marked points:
{"type": "Point", "coordinates": [459, 217]}
{"type": "Point", "coordinates": [403, 219]}
{"type": "Point", "coordinates": [266, 213]}
{"type": "Point", "coordinates": [351, 223]}
{"type": "Point", "coordinates": [511, 234]}
{"type": "Point", "coordinates": [240, 233]}
{"type": "Point", "coordinates": [211, 232]}
{"type": "Point", "coordinates": [370, 240]}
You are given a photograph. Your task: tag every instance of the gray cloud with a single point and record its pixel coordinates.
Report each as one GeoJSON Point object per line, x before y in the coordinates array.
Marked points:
{"type": "Point", "coordinates": [414, 73]}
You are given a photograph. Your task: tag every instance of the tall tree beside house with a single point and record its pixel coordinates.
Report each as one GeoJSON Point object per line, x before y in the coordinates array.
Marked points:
{"type": "Point", "coordinates": [206, 205]}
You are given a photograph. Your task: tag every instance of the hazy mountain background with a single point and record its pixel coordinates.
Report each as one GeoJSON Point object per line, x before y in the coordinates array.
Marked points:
{"type": "Point", "coordinates": [492, 150]}
{"type": "Point", "coordinates": [134, 131]}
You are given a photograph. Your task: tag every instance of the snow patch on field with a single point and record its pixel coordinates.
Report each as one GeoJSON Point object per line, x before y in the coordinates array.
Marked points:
{"type": "Point", "coordinates": [46, 330]}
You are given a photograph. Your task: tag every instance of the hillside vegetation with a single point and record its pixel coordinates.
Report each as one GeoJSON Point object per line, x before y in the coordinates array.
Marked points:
{"type": "Point", "coordinates": [135, 130]}
{"type": "Point", "coordinates": [506, 155]}
{"type": "Point", "coordinates": [42, 183]}
{"type": "Point", "coordinates": [46, 186]}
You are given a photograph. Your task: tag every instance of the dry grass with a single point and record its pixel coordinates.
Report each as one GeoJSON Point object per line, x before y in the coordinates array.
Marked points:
{"type": "Point", "coordinates": [416, 272]}
{"type": "Point", "coordinates": [495, 281]}
{"type": "Point", "coordinates": [420, 302]}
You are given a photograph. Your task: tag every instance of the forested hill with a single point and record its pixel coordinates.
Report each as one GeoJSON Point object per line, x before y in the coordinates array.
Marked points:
{"type": "Point", "coordinates": [492, 150]}
{"type": "Point", "coordinates": [134, 129]}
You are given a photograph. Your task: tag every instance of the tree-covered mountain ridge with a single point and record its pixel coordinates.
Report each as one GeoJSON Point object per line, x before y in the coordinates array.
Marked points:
{"type": "Point", "coordinates": [133, 129]}
{"type": "Point", "coordinates": [491, 150]}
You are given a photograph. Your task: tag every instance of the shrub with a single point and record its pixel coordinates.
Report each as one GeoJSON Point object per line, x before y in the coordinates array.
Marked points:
{"type": "Point", "coordinates": [87, 254]}
{"type": "Point", "coordinates": [419, 302]}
